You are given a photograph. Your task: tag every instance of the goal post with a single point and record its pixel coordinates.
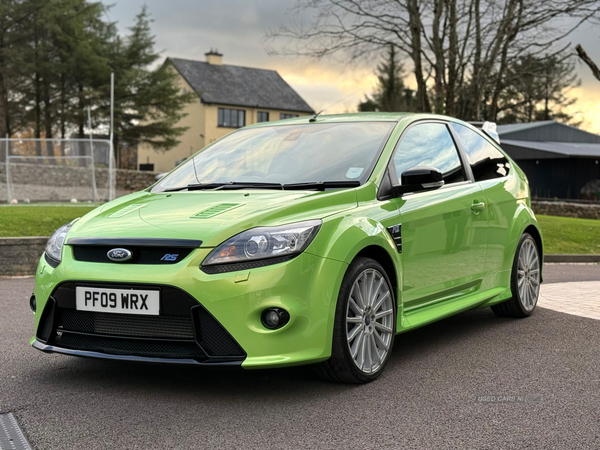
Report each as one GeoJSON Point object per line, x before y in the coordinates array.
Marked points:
{"type": "Point", "coordinates": [57, 170]}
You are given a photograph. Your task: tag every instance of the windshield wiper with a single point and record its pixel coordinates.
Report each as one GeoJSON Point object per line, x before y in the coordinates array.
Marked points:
{"type": "Point", "coordinates": [224, 186]}
{"type": "Point", "coordinates": [321, 185]}
{"type": "Point", "coordinates": [310, 185]}
{"type": "Point", "coordinates": [194, 186]}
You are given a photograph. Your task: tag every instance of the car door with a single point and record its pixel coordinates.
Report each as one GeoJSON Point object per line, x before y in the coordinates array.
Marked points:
{"type": "Point", "coordinates": [443, 231]}
{"type": "Point", "coordinates": [490, 170]}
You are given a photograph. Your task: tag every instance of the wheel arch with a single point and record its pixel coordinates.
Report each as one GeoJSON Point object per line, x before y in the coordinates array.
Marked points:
{"type": "Point", "coordinates": [537, 237]}
{"type": "Point", "coordinates": [381, 255]}
{"type": "Point", "coordinates": [346, 237]}
{"type": "Point", "coordinates": [522, 221]}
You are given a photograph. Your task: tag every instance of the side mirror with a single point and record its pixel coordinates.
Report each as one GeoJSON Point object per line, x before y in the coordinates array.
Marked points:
{"type": "Point", "coordinates": [418, 179]}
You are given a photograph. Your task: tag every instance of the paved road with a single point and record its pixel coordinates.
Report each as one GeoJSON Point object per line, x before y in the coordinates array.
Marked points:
{"type": "Point", "coordinates": [560, 273]}
{"type": "Point", "coordinates": [448, 385]}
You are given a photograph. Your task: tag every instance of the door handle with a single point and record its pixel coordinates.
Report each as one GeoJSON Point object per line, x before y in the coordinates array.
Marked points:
{"type": "Point", "coordinates": [477, 207]}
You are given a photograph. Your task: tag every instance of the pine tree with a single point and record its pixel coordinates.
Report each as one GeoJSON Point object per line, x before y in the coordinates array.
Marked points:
{"type": "Point", "coordinates": [390, 94]}
{"type": "Point", "coordinates": [16, 33]}
{"type": "Point", "coordinates": [148, 102]}
{"type": "Point", "coordinates": [56, 57]}
{"type": "Point", "coordinates": [537, 88]}
{"type": "Point", "coordinates": [56, 62]}
{"type": "Point", "coordinates": [82, 69]}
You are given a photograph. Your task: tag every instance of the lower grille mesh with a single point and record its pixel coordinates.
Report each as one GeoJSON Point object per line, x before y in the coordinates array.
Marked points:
{"type": "Point", "coordinates": [129, 347]}
{"type": "Point", "coordinates": [213, 340]}
{"type": "Point", "coordinates": [126, 325]}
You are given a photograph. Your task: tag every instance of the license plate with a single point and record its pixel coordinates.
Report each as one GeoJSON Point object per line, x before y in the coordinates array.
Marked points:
{"type": "Point", "coordinates": [121, 301]}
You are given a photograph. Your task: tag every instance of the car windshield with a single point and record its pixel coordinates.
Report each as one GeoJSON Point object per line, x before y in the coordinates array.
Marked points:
{"type": "Point", "coordinates": [282, 155]}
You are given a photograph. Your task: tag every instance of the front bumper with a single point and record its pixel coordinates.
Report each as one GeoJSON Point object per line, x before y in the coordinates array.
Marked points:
{"type": "Point", "coordinates": [184, 330]}
{"type": "Point", "coordinates": [305, 286]}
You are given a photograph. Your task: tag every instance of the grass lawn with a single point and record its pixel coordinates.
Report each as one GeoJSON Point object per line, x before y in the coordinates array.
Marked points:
{"type": "Point", "coordinates": [567, 235]}
{"type": "Point", "coordinates": [561, 234]}
{"type": "Point", "coordinates": [37, 220]}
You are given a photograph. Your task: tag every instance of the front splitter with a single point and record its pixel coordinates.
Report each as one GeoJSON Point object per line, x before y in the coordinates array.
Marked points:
{"type": "Point", "coordinates": [87, 354]}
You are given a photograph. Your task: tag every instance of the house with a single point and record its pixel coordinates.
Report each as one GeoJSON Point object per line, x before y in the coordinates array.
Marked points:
{"type": "Point", "coordinates": [229, 97]}
{"type": "Point", "coordinates": [559, 160]}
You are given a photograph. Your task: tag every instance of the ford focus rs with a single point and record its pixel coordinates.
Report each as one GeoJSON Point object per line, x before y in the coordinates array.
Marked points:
{"type": "Point", "coordinates": [306, 241]}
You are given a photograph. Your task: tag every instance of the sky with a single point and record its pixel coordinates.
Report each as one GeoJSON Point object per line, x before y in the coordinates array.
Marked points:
{"type": "Point", "coordinates": [237, 28]}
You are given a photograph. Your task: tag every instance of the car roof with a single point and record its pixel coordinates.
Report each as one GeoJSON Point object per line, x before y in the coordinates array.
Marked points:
{"type": "Point", "coordinates": [356, 117]}
{"type": "Point", "coordinates": [332, 118]}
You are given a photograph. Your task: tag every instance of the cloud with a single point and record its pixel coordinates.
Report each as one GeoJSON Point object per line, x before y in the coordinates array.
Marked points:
{"type": "Point", "coordinates": [587, 107]}
{"type": "Point", "coordinates": [189, 28]}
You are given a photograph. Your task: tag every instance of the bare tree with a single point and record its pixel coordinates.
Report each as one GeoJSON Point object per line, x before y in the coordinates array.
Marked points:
{"type": "Point", "coordinates": [459, 50]}
{"type": "Point", "coordinates": [586, 59]}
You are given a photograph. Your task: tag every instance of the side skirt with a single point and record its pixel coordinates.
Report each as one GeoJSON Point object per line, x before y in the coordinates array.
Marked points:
{"type": "Point", "coordinates": [428, 314]}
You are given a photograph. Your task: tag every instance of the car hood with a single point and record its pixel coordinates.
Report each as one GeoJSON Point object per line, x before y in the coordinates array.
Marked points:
{"type": "Point", "coordinates": [209, 216]}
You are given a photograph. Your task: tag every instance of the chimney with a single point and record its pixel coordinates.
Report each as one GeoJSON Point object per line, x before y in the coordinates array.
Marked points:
{"type": "Point", "coordinates": [214, 57]}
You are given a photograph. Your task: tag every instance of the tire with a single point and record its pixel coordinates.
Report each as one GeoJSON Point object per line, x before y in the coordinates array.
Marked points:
{"type": "Point", "coordinates": [362, 343]}
{"type": "Point", "coordinates": [524, 281]}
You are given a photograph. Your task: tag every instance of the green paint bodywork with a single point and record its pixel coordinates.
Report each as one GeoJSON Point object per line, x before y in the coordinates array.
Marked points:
{"type": "Point", "coordinates": [452, 259]}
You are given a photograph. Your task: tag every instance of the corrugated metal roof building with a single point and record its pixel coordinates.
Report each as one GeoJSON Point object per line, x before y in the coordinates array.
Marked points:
{"type": "Point", "coordinates": [560, 161]}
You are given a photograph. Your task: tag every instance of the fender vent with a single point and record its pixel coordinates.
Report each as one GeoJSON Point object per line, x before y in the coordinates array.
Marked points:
{"type": "Point", "coordinates": [215, 210]}
{"type": "Point", "coordinates": [396, 233]}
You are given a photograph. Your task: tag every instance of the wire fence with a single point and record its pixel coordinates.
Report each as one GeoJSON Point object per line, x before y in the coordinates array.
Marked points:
{"type": "Point", "coordinates": [56, 170]}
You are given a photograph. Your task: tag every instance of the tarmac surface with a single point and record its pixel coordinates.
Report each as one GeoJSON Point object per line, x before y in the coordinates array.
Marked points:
{"type": "Point", "coordinates": [470, 381]}
{"type": "Point", "coordinates": [561, 273]}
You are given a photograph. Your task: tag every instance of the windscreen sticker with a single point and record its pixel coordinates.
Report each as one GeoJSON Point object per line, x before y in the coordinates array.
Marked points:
{"type": "Point", "coordinates": [354, 172]}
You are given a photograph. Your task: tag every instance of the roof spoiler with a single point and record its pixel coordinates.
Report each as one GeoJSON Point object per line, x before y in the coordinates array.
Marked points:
{"type": "Point", "coordinates": [488, 128]}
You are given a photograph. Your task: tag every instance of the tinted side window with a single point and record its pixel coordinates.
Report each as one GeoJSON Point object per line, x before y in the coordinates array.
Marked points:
{"type": "Point", "coordinates": [429, 144]}
{"type": "Point", "coordinates": [487, 162]}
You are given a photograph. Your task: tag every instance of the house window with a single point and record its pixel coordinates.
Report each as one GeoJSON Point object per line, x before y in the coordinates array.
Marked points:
{"type": "Point", "coordinates": [232, 118]}
{"type": "Point", "coordinates": [263, 116]}
{"type": "Point", "coordinates": [287, 116]}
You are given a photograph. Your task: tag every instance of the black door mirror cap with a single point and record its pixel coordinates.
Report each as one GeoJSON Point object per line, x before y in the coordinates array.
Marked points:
{"type": "Point", "coordinates": [420, 178]}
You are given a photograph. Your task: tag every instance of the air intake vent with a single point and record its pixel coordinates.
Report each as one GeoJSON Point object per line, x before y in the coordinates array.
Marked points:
{"type": "Point", "coordinates": [127, 210]}
{"type": "Point", "coordinates": [215, 210]}
{"type": "Point", "coordinates": [396, 233]}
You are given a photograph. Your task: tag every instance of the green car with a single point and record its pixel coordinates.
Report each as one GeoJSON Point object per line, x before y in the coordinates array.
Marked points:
{"type": "Point", "coordinates": [312, 240]}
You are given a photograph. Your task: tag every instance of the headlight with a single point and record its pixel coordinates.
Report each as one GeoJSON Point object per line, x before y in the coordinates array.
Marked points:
{"type": "Point", "coordinates": [264, 243]}
{"type": "Point", "coordinates": [55, 244]}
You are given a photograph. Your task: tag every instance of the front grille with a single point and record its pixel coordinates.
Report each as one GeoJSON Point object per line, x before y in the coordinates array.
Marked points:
{"type": "Point", "coordinates": [185, 329]}
{"type": "Point", "coordinates": [141, 255]}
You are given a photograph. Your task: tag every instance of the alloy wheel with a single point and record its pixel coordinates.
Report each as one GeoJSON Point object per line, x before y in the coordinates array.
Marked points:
{"type": "Point", "coordinates": [369, 321]}
{"type": "Point", "coordinates": [528, 275]}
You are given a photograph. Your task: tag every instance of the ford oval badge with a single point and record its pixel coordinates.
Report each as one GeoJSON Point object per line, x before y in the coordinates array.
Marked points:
{"type": "Point", "coordinates": [119, 255]}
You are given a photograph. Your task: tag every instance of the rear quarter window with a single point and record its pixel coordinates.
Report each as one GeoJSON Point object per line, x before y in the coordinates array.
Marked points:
{"type": "Point", "coordinates": [486, 161]}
